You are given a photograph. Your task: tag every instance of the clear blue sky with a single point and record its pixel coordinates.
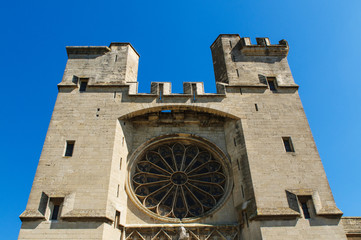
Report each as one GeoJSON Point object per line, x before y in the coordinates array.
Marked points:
{"type": "Point", "coordinates": [173, 39]}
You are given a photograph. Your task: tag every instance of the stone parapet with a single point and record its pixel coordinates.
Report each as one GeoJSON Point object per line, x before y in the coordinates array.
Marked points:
{"type": "Point", "coordinates": [263, 47]}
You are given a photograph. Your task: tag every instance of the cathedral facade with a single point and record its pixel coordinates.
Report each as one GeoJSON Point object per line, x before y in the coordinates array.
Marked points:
{"type": "Point", "coordinates": [237, 164]}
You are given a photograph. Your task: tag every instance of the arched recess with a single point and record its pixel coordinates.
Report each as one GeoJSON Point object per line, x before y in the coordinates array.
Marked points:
{"type": "Point", "coordinates": [144, 126]}
{"type": "Point", "coordinates": [194, 108]}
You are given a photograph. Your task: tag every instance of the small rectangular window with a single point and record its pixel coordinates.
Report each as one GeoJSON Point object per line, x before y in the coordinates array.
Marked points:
{"type": "Point", "coordinates": [69, 148]}
{"type": "Point", "coordinates": [161, 90]}
{"type": "Point", "coordinates": [54, 214]}
{"type": "Point", "coordinates": [194, 91]}
{"type": "Point", "coordinates": [55, 206]}
{"type": "Point", "coordinates": [288, 144]}
{"type": "Point", "coordinates": [83, 83]}
{"type": "Point", "coordinates": [117, 219]}
{"type": "Point", "coordinates": [272, 83]}
{"type": "Point", "coordinates": [304, 200]}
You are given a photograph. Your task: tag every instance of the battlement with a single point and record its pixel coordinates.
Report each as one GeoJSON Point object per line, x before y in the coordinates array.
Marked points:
{"type": "Point", "coordinates": [262, 48]}
{"type": "Point", "coordinates": [97, 50]}
{"type": "Point", "coordinates": [237, 164]}
{"type": "Point", "coordinates": [237, 63]}
{"type": "Point", "coordinates": [101, 65]}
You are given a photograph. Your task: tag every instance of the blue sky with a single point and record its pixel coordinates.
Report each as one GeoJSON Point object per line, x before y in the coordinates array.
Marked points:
{"type": "Point", "coordinates": [173, 39]}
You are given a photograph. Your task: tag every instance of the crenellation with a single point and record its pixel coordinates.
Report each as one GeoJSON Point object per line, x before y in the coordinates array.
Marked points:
{"type": "Point", "coordinates": [264, 47]}
{"type": "Point", "coordinates": [162, 164]}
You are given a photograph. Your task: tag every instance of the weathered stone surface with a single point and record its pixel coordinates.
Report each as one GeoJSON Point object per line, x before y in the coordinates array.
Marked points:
{"type": "Point", "coordinates": [243, 125]}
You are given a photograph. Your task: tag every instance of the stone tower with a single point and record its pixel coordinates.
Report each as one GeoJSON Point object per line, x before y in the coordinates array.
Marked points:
{"type": "Point", "coordinates": [237, 164]}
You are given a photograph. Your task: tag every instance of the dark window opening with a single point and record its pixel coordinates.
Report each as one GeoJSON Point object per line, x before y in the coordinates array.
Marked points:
{"type": "Point", "coordinates": [239, 167]}
{"type": "Point", "coordinates": [242, 191]}
{"type": "Point", "coordinates": [234, 141]}
{"type": "Point", "coordinates": [83, 84]}
{"type": "Point", "coordinates": [117, 219]}
{"type": "Point", "coordinates": [55, 207]}
{"type": "Point", "coordinates": [256, 107]}
{"type": "Point", "coordinates": [272, 83]}
{"type": "Point", "coordinates": [69, 148]}
{"type": "Point", "coordinates": [306, 213]}
{"type": "Point", "coordinates": [194, 91]}
{"type": "Point", "coordinates": [288, 144]}
{"type": "Point", "coordinates": [303, 201]}
{"type": "Point", "coordinates": [54, 214]}
{"type": "Point", "coordinates": [161, 89]}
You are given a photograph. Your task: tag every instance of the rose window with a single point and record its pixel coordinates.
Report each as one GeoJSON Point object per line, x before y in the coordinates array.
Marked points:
{"type": "Point", "coordinates": [179, 180]}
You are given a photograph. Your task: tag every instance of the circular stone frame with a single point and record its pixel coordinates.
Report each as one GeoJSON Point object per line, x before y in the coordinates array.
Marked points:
{"type": "Point", "coordinates": [179, 178]}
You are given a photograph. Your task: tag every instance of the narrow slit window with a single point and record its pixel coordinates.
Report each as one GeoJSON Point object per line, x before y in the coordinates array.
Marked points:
{"type": "Point", "coordinates": [117, 219]}
{"type": "Point", "coordinates": [239, 167]}
{"type": "Point", "coordinates": [288, 144]}
{"type": "Point", "coordinates": [305, 207]}
{"type": "Point", "coordinates": [194, 91]}
{"type": "Point", "coordinates": [161, 90]}
{"type": "Point", "coordinates": [69, 148]}
{"type": "Point", "coordinates": [256, 107]}
{"type": "Point", "coordinates": [83, 82]}
{"type": "Point", "coordinates": [55, 206]}
{"type": "Point", "coordinates": [55, 213]}
{"type": "Point", "coordinates": [272, 83]}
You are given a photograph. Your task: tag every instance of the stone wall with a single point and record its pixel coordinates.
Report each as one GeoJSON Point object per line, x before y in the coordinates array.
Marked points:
{"type": "Point", "coordinates": [110, 123]}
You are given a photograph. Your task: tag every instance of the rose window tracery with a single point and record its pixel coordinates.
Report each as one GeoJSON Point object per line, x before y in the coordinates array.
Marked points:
{"type": "Point", "coordinates": [179, 180]}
